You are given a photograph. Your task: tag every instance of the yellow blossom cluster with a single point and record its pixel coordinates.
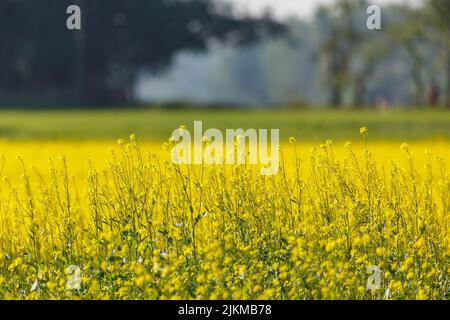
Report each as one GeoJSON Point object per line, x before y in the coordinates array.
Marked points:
{"type": "Point", "coordinates": [148, 229]}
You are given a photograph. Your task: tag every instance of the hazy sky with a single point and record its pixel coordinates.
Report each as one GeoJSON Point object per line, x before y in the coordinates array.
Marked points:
{"type": "Point", "coordinates": [304, 8]}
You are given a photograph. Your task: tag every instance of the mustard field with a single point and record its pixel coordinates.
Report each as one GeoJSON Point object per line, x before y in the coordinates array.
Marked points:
{"type": "Point", "coordinates": [94, 219]}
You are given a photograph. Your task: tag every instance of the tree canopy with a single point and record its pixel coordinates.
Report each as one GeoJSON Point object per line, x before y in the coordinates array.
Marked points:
{"type": "Point", "coordinates": [98, 65]}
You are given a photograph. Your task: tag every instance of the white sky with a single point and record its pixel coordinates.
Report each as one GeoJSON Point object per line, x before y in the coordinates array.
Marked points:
{"type": "Point", "coordinates": [303, 8]}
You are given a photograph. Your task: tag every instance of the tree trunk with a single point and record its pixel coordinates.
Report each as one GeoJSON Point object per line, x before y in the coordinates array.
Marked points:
{"type": "Point", "coordinates": [360, 92]}
{"type": "Point", "coordinates": [416, 74]}
{"type": "Point", "coordinates": [359, 98]}
{"type": "Point", "coordinates": [335, 80]}
{"type": "Point", "coordinates": [420, 88]}
{"type": "Point", "coordinates": [447, 91]}
{"type": "Point", "coordinates": [80, 59]}
{"type": "Point", "coordinates": [336, 96]}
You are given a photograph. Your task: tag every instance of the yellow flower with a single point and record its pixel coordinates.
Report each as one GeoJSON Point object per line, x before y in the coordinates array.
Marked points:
{"type": "Point", "coordinates": [16, 263]}
{"type": "Point", "coordinates": [140, 281]}
{"type": "Point", "coordinates": [363, 131]}
{"type": "Point", "coordinates": [421, 295]}
{"type": "Point", "coordinates": [50, 285]}
{"type": "Point", "coordinates": [404, 147]}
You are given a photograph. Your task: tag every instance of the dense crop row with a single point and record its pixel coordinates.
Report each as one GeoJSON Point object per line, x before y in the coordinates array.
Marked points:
{"type": "Point", "coordinates": [145, 228]}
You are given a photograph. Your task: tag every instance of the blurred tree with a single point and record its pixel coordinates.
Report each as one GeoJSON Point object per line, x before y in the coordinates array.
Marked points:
{"type": "Point", "coordinates": [408, 32]}
{"type": "Point", "coordinates": [341, 44]}
{"type": "Point", "coordinates": [119, 39]}
{"type": "Point", "coordinates": [440, 20]}
{"type": "Point", "coordinates": [371, 53]}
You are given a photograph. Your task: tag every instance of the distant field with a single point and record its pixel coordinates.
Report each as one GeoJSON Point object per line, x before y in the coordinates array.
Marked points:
{"type": "Point", "coordinates": [158, 124]}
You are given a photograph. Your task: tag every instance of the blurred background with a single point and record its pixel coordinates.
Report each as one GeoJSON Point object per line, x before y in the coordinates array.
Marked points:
{"type": "Point", "coordinates": [228, 53]}
{"type": "Point", "coordinates": [310, 68]}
